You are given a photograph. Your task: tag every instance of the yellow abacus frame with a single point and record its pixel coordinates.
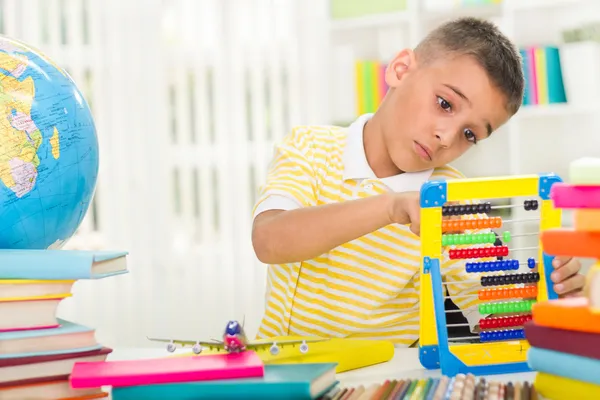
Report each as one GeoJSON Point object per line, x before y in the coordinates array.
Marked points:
{"type": "Point", "coordinates": [479, 358]}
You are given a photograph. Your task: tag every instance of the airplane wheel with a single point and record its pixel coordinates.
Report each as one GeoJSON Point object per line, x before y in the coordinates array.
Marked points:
{"type": "Point", "coordinates": [171, 347]}
{"type": "Point", "coordinates": [197, 349]}
{"type": "Point", "coordinates": [274, 350]}
{"type": "Point", "coordinates": [304, 348]}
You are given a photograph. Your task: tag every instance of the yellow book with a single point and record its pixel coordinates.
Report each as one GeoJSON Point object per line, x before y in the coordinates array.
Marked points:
{"type": "Point", "coordinates": [24, 289]}
{"type": "Point", "coordinates": [554, 387]}
{"type": "Point", "coordinates": [361, 105]}
{"type": "Point", "coordinates": [349, 354]}
{"type": "Point", "coordinates": [542, 75]}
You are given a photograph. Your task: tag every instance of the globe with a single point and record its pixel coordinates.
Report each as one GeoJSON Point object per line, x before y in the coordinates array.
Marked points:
{"type": "Point", "coordinates": [48, 151]}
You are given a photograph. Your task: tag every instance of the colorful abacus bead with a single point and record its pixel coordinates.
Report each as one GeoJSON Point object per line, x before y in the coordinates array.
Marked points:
{"type": "Point", "coordinates": [504, 322]}
{"type": "Point", "coordinates": [466, 224]}
{"type": "Point", "coordinates": [506, 307]}
{"type": "Point", "coordinates": [478, 252]}
{"type": "Point", "coordinates": [530, 205]}
{"type": "Point", "coordinates": [531, 262]}
{"type": "Point", "coordinates": [526, 292]}
{"type": "Point", "coordinates": [492, 336]}
{"type": "Point", "coordinates": [468, 238]}
{"type": "Point", "coordinates": [512, 279]}
{"type": "Point", "coordinates": [464, 209]}
{"type": "Point", "coordinates": [492, 266]}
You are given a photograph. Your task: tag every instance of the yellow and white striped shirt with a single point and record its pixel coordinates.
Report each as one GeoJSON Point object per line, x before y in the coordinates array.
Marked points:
{"type": "Point", "coordinates": [367, 288]}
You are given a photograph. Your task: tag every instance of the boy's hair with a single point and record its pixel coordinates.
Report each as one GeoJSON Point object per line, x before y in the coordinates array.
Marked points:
{"type": "Point", "coordinates": [483, 41]}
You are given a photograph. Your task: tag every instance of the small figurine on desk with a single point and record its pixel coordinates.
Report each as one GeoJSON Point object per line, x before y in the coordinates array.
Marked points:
{"type": "Point", "coordinates": [235, 341]}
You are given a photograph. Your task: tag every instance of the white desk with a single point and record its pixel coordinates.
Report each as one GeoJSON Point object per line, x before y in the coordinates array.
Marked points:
{"type": "Point", "coordinates": [405, 364]}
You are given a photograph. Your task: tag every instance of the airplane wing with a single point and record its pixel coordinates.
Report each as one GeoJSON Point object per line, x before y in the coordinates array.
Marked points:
{"type": "Point", "coordinates": [280, 343]}
{"type": "Point", "coordinates": [214, 345]}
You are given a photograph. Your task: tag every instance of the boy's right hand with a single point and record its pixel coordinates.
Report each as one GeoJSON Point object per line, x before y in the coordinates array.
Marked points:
{"type": "Point", "coordinates": [405, 209]}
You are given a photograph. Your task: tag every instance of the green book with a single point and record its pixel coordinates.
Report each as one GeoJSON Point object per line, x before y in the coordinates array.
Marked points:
{"type": "Point", "coordinates": [280, 381]}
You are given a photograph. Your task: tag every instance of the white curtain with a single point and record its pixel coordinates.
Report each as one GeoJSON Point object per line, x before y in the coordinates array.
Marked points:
{"type": "Point", "coordinates": [188, 97]}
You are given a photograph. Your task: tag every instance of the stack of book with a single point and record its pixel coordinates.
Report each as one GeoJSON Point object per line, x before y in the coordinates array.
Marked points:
{"type": "Point", "coordinates": [564, 334]}
{"type": "Point", "coordinates": [214, 376]}
{"type": "Point", "coordinates": [37, 348]}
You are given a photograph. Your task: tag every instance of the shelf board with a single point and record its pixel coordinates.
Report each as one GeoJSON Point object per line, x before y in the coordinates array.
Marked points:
{"type": "Point", "coordinates": [527, 5]}
{"type": "Point", "coordinates": [557, 110]}
{"type": "Point", "coordinates": [476, 10]}
{"type": "Point", "coordinates": [372, 21]}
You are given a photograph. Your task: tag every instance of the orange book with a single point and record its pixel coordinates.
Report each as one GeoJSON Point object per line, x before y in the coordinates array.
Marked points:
{"type": "Point", "coordinates": [572, 313]}
{"type": "Point", "coordinates": [570, 242]}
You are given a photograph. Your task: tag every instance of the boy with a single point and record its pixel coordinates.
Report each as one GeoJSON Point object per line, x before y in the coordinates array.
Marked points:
{"type": "Point", "coordinates": [338, 217]}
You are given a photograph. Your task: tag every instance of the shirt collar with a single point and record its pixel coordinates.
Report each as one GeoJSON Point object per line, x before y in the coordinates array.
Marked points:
{"type": "Point", "coordinates": [357, 167]}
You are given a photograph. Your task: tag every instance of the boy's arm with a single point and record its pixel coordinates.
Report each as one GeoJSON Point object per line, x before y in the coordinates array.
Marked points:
{"type": "Point", "coordinates": [289, 226]}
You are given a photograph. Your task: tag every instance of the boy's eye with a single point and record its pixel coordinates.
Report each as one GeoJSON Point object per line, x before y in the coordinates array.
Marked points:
{"type": "Point", "coordinates": [444, 104]}
{"type": "Point", "coordinates": [470, 136]}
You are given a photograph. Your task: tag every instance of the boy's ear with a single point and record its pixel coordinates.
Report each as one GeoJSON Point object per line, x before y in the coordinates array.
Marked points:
{"type": "Point", "coordinates": [399, 66]}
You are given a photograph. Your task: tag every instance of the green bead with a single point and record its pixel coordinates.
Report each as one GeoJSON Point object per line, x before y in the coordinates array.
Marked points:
{"type": "Point", "coordinates": [506, 236]}
{"type": "Point", "coordinates": [491, 237]}
{"type": "Point", "coordinates": [479, 238]}
{"type": "Point", "coordinates": [445, 240]}
{"type": "Point", "coordinates": [451, 239]}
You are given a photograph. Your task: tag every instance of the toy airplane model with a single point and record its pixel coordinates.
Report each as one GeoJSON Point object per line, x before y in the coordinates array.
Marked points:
{"type": "Point", "coordinates": [235, 341]}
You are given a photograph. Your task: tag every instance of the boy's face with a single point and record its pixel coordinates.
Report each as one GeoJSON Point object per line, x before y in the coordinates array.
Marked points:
{"type": "Point", "coordinates": [435, 112]}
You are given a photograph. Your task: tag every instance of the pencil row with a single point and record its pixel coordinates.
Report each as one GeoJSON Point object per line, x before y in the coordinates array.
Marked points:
{"type": "Point", "coordinates": [460, 387]}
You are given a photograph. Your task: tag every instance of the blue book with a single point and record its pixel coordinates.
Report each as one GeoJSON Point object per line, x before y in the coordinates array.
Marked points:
{"type": "Point", "coordinates": [69, 337]}
{"type": "Point", "coordinates": [525, 64]}
{"type": "Point", "coordinates": [280, 381]}
{"type": "Point", "coordinates": [556, 87]}
{"type": "Point", "coordinates": [564, 364]}
{"type": "Point", "coordinates": [61, 264]}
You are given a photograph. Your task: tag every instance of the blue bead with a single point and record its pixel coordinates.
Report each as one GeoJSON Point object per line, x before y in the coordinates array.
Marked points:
{"type": "Point", "coordinates": [531, 262]}
{"type": "Point", "coordinates": [515, 264]}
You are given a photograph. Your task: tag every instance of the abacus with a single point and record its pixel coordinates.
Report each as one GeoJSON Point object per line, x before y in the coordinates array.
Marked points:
{"type": "Point", "coordinates": [505, 293]}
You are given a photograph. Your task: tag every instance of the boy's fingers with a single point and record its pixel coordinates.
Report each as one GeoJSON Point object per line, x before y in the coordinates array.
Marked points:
{"type": "Point", "coordinates": [573, 284]}
{"type": "Point", "coordinates": [569, 269]}
{"type": "Point", "coordinates": [560, 261]}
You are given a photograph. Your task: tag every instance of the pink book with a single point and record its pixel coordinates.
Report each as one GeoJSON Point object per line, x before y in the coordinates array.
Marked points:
{"type": "Point", "coordinates": [533, 92]}
{"type": "Point", "coordinates": [246, 364]}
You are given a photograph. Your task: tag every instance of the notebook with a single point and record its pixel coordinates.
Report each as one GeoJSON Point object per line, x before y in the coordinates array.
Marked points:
{"type": "Point", "coordinates": [29, 314]}
{"type": "Point", "coordinates": [572, 313]}
{"type": "Point", "coordinates": [61, 264]}
{"type": "Point", "coordinates": [21, 368]}
{"type": "Point", "coordinates": [283, 381]}
{"type": "Point", "coordinates": [560, 388]}
{"type": "Point", "coordinates": [563, 364]}
{"type": "Point", "coordinates": [51, 388]}
{"type": "Point", "coordinates": [166, 370]}
{"type": "Point", "coordinates": [24, 288]}
{"type": "Point", "coordinates": [562, 340]}
{"type": "Point", "coordinates": [69, 337]}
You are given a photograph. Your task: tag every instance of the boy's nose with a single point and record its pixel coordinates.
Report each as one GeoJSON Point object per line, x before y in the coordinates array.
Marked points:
{"type": "Point", "coordinates": [444, 138]}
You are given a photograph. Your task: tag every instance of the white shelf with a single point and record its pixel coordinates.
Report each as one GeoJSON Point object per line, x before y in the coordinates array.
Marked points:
{"type": "Point", "coordinates": [557, 110]}
{"type": "Point", "coordinates": [527, 5]}
{"type": "Point", "coordinates": [479, 11]}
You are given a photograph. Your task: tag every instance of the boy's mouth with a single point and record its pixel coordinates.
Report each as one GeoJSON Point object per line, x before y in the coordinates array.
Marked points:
{"type": "Point", "coordinates": [423, 151]}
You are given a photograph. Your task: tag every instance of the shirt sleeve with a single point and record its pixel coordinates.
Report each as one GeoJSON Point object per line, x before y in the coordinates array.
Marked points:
{"type": "Point", "coordinates": [291, 180]}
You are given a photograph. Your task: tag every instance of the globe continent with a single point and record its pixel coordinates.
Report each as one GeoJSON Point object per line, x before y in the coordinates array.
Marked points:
{"type": "Point", "coordinates": [48, 151]}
